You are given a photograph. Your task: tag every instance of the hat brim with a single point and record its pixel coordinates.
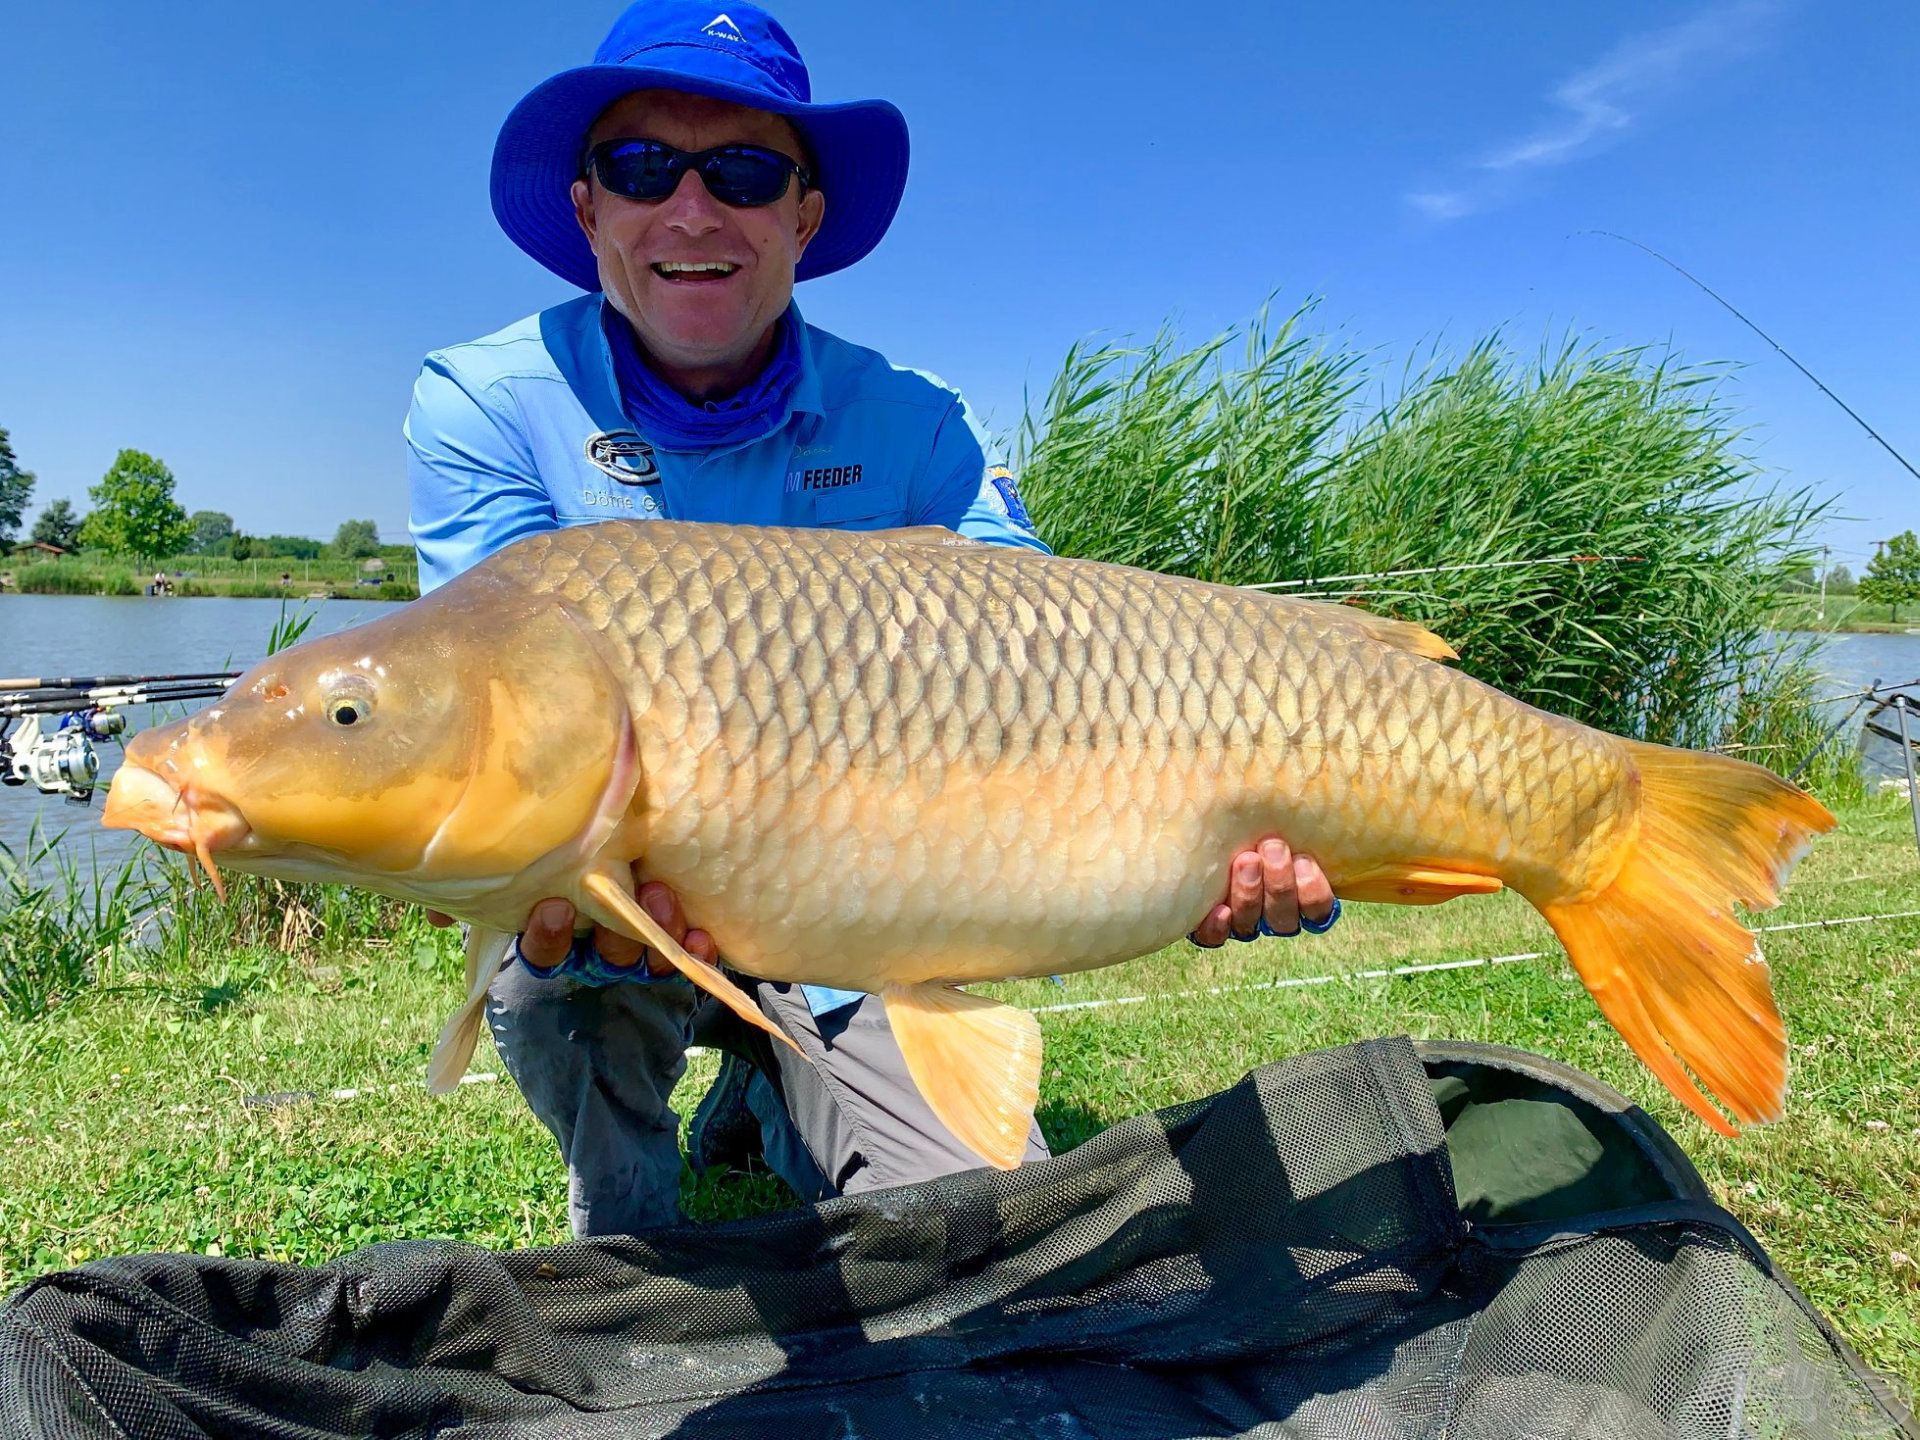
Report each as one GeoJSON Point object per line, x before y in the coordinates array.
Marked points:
{"type": "Point", "coordinates": [859, 151]}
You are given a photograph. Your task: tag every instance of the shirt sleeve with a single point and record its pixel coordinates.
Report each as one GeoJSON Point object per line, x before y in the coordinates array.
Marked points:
{"type": "Point", "coordinates": [969, 491]}
{"type": "Point", "coordinates": [471, 475]}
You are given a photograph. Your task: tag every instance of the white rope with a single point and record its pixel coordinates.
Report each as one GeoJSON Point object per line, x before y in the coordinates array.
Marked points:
{"type": "Point", "coordinates": [1296, 982]}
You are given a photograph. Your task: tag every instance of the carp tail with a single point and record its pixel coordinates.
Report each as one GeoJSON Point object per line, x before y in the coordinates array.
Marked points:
{"type": "Point", "coordinates": [1680, 978]}
{"type": "Point", "coordinates": [486, 952]}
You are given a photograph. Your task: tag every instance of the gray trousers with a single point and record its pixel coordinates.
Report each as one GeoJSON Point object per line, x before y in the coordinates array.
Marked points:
{"type": "Point", "coordinates": [598, 1064]}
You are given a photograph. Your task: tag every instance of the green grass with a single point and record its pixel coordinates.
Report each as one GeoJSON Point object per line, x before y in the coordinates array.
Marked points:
{"type": "Point", "coordinates": [125, 1122]}
{"type": "Point", "coordinates": [1843, 612]}
{"type": "Point", "coordinates": [213, 575]}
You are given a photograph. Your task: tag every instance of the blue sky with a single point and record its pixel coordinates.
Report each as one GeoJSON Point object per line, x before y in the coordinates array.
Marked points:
{"type": "Point", "coordinates": [231, 231]}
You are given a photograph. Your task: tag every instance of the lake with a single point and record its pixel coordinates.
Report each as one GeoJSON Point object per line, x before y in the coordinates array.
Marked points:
{"type": "Point", "coordinates": [97, 635]}
{"type": "Point", "coordinates": [108, 635]}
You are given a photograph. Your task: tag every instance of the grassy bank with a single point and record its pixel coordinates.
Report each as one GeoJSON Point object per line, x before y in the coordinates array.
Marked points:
{"type": "Point", "coordinates": [1844, 612]}
{"type": "Point", "coordinates": [202, 575]}
{"type": "Point", "coordinates": [236, 1097]}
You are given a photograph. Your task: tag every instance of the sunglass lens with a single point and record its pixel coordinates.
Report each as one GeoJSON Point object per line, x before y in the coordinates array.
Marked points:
{"type": "Point", "coordinates": [745, 177]}
{"type": "Point", "coordinates": [638, 170]}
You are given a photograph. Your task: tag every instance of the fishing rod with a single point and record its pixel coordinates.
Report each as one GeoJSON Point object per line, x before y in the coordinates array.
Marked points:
{"type": "Point", "coordinates": [67, 716]}
{"type": "Point", "coordinates": [1446, 570]}
{"type": "Point", "coordinates": [47, 702]}
{"type": "Point", "coordinates": [94, 682]}
{"type": "Point", "coordinates": [1785, 353]}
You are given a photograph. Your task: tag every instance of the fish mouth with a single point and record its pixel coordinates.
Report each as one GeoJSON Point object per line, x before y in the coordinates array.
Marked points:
{"type": "Point", "coordinates": [187, 818]}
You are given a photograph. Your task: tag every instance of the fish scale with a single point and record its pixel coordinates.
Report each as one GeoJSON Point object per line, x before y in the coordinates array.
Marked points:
{"type": "Point", "coordinates": [1068, 750]}
{"type": "Point", "coordinates": [898, 762]}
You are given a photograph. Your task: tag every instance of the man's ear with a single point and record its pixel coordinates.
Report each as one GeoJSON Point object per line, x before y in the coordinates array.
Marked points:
{"type": "Point", "coordinates": [813, 210]}
{"type": "Point", "coordinates": [583, 207]}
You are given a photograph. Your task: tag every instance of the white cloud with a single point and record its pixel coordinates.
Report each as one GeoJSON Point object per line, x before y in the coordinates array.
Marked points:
{"type": "Point", "coordinates": [1607, 98]}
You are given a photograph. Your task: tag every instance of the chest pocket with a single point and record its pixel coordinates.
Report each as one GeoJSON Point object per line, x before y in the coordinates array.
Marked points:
{"type": "Point", "coordinates": [872, 506]}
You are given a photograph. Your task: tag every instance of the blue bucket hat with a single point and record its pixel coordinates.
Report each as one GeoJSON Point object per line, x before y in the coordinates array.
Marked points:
{"type": "Point", "coordinates": [739, 53]}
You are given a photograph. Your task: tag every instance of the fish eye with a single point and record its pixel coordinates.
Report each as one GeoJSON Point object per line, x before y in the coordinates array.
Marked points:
{"type": "Point", "coordinates": [349, 709]}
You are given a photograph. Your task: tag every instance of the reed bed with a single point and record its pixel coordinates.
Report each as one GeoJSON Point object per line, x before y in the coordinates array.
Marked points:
{"type": "Point", "coordinates": [1583, 525]}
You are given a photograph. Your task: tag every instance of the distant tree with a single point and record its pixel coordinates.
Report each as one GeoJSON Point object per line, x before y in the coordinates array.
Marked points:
{"type": "Point", "coordinates": [1893, 576]}
{"type": "Point", "coordinates": [1802, 578]}
{"type": "Point", "coordinates": [241, 547]}
{"type": "Point", "coordinates": [1840, 580]}
{"type": "Point", "coordinates": [296, 547]}
{"type": "Point", "coordinates": [212, 532]}
{"type": "Point", "coordinates": [16, 488]}
{"type": "Point", "coordinates": [58, 525]}
{"type": "Point", "coordinates": [356, 540]}
{"type": "Point", "coordinates": [134, 510]}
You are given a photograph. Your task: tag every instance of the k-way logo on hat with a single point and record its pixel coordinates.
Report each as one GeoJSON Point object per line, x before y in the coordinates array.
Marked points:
{"type": "Point", "coordinates": [721, 27]}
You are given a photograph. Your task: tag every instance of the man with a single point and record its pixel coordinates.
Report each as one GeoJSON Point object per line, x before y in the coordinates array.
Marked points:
{"type": "Point", "coordinates": [685, 181]}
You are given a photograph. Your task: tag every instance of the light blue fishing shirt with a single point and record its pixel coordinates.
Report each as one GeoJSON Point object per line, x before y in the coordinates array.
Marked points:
{"type": "Point", "coordinates": [523, 431]}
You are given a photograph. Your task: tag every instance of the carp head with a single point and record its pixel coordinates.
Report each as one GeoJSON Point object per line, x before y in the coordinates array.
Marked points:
{"type": "Point", "coordinates": [434, 754]}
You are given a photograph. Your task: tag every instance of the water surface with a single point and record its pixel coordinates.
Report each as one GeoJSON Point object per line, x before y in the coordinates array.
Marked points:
{"type": "Point", "coordinates": [55, 635]}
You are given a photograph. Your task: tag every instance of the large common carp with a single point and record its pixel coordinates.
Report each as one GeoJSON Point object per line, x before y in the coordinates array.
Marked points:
{"type": "Point", "coordinates": [898, 762]}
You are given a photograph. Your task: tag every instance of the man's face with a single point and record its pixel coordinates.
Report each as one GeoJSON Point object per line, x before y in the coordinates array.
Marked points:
{"type": "Point", "coordinates": [701, 328]}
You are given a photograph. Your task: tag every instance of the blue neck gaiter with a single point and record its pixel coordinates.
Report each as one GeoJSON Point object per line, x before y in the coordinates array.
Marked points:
{"type": "Point", "coordinates": [668, 419]}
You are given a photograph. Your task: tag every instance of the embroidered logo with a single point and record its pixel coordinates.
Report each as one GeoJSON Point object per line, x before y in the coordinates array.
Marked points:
{"type": "Point", "coordinates": [1005, 496]}
{"type": "Point", "coordinates": [624, 456]}
{"type": "Point", "coordinates": [721, 27]}
{"type": "Point", "coordinates": [823, 477]}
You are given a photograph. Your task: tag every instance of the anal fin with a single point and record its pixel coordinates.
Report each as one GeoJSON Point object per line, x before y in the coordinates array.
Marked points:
{"type": "Point", "coordinates": [618, 910]}
{"type": "Point", "coordinates": [1413, 885]}
{"type": "Point", "coordinates": [486, 952]}
{"type": "Point", "coordinates": [976, 1061]}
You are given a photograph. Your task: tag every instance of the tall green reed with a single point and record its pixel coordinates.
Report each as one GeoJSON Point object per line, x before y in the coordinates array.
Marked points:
{"type": "Point", "coordinates": [1257, 461]}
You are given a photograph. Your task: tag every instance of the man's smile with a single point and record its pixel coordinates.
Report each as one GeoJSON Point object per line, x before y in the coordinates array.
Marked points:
{"type": "Point", "coordinates": [693, 272]}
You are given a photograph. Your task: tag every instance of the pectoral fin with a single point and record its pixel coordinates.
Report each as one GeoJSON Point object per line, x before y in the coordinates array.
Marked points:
{"type": "Point", "coordinates": [486, 952]}
{"type": "Point", "coordinates": [618, 910]}
{"type": "Point", "coordinates": [976, 1061]}
{"type": "Point", "coordinates": [1413, 885]}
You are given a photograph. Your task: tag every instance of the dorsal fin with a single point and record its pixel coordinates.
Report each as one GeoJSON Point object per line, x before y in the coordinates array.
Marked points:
{"type": "Point", "coordinates": [1400, 634]}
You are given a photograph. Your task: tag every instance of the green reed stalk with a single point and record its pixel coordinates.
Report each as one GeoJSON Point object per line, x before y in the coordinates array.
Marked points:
{"type": "Point", "coordinates": [1266, 467]}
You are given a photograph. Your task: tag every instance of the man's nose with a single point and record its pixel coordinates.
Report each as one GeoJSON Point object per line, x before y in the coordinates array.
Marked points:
{"type": "Point", "coordinates": [691, 209]}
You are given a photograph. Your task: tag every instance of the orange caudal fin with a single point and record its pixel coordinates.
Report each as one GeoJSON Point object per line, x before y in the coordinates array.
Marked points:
{"type": "Point", "coordinates": [1680, 978]}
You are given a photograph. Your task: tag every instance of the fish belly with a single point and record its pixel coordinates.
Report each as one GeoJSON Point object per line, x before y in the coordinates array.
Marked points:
{"type": "Point", "coordinates": [869, 764]}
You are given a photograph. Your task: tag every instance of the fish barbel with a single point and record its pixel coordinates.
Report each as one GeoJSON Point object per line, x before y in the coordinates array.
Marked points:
{"type": "Point", "coordinates": [898, 762]}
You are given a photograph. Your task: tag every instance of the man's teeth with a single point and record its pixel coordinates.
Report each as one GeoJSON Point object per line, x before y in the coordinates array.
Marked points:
{"type": "Point", "coordinates": [698, 267]}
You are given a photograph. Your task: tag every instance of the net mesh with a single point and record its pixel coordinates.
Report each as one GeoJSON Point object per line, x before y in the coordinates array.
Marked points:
{"type": "Point", "coordinates": [1285, 1259]}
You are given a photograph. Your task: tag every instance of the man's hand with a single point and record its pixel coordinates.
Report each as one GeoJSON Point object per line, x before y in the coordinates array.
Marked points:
{"type": "Point", "coordinates": [549, 933]}
{"type": "Point", "coordinates": [1272, 883]}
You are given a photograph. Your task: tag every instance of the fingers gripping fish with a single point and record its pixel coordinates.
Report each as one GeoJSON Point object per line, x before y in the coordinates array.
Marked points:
{"type": "Point", "coordinates": [851, 754]}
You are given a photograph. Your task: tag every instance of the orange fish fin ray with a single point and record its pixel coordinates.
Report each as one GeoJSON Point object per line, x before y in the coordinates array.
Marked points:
{"type": "Point", "coordinates": [976, 1061]}
{"type": "Point", "coordinates": [1400, 634]}
{"type": "Point", "coordinates": [618, 910]}
{"type": "Point", "coordinates": [486, 953]}
{"type": "Point", "coordinates": [1659, 947]}
{"type": "Point", "coordinates": [1414, 885]}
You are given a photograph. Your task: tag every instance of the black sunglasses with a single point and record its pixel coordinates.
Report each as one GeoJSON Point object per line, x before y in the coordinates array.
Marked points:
{"type": "Point", "coordinates": [741, 175]}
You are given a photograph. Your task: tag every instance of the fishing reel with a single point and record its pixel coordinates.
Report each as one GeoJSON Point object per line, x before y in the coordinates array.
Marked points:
{"type": "Point", "coordinates": [55, 754]}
